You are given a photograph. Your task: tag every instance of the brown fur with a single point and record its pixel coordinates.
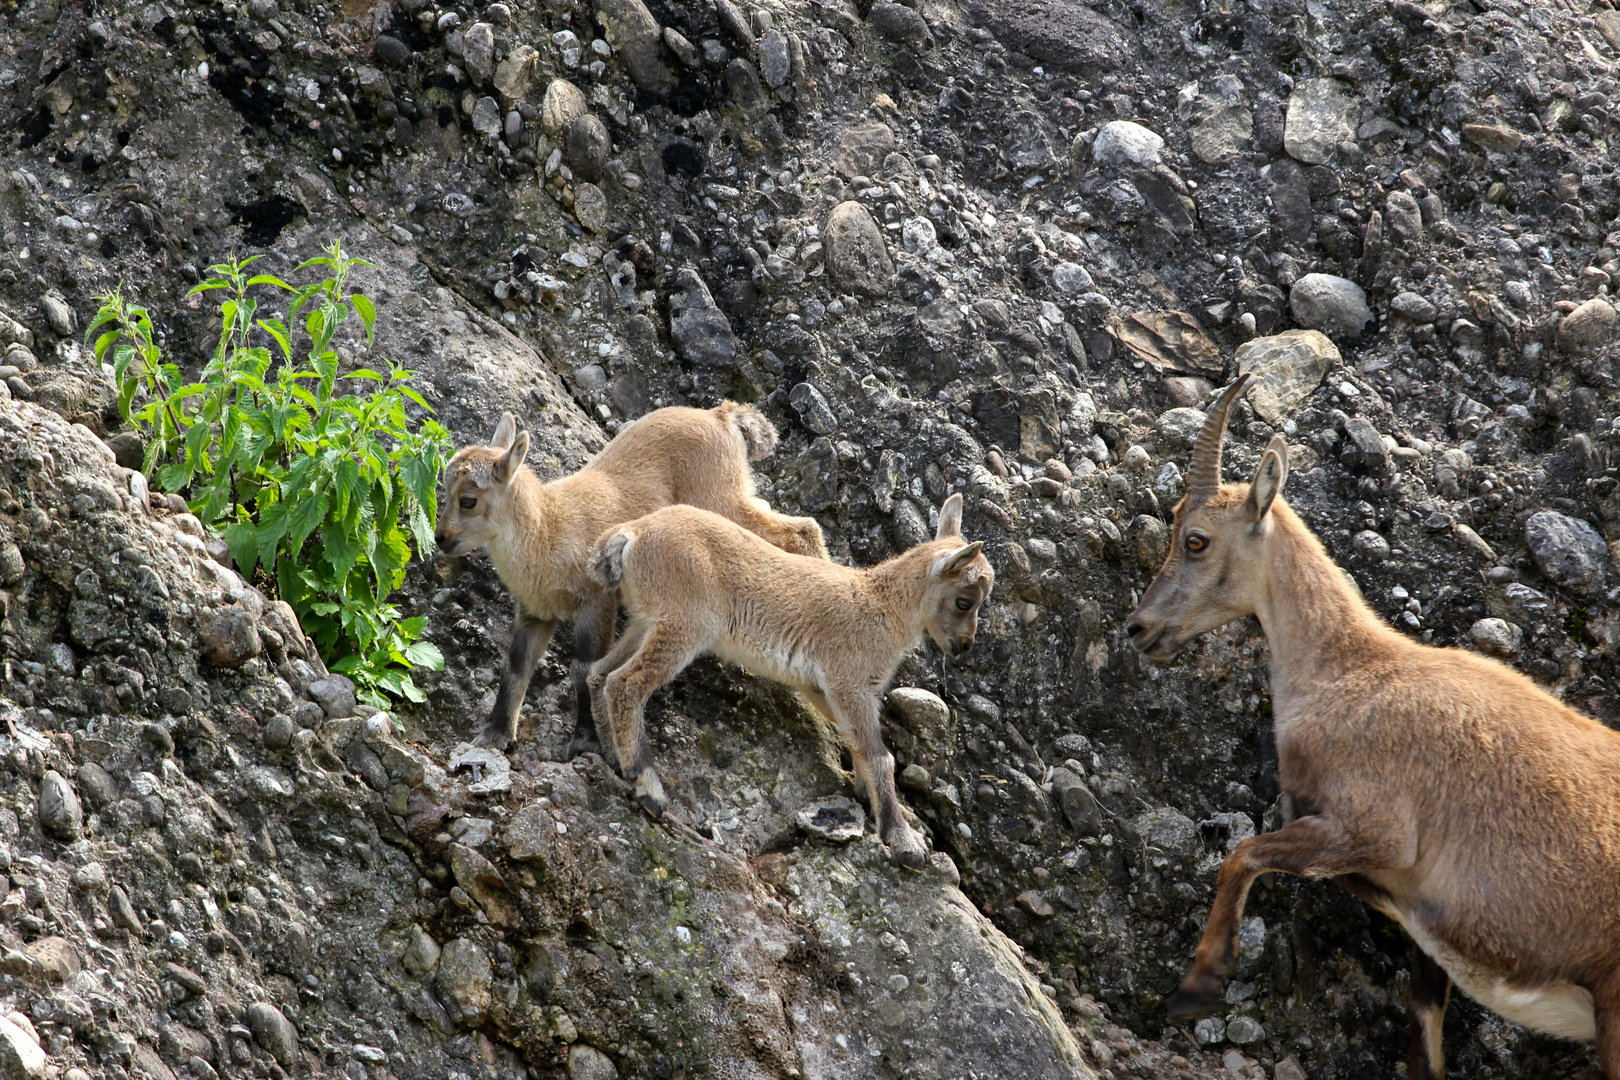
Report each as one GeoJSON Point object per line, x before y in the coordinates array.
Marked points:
{"type": "Point", "coordinates": [540, 534]}
{"type": "Point", "coordinates": [694, 583]}
{"type": "Point", "coordinates": [1444, 788]}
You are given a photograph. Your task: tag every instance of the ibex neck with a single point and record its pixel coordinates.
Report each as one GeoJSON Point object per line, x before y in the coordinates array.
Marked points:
{"type": "Point", "coordinates": [899, 586]}
{"type": "Point", "coordinates": [525, 524]}
{"type": "Point", "coordinates": [1315, 620]}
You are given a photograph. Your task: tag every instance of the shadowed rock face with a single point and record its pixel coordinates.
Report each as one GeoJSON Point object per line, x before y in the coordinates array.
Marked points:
{"type": "Point", "coordinates": [935, 269]}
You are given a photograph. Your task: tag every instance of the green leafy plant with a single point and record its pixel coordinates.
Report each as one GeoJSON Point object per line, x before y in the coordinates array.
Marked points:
{"type": "Point", "coordinates": [315, 477]}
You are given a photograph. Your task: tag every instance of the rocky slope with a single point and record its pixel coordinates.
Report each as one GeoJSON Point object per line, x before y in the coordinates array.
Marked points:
{"type": "Point", "coordinates": [1003, 248]}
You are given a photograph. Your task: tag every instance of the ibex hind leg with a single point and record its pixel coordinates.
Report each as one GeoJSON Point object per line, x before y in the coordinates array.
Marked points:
{"type": "Point", "coordinates": [596, 683]}
{"type": "Point", "coordinates": [1606, 999]}
{"type": "Point", "coordinates": [593, 634]}
{"type": "Point", "coordinates": [530, 639]}
{"type": "Point", "coordinates": [1425, 1016]}
{"type": "Point", "coordinates": [662, 655]}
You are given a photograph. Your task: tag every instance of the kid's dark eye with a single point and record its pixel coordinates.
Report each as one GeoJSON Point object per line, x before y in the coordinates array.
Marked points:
{"type": "Point", "coordinates": [963, 604]}
{"type": "Point", "coordinates": [468, 502]}
{"type": "Point", "coordinates": [1196, 543]}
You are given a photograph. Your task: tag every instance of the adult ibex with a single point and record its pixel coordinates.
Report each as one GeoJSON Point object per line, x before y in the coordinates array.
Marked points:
{"type": "Point", "coordinates": [695, 583]}
{"type": "Point", "coordinates": [1442, 788]}
{"type": "Point", "coordinates": [539, 534]}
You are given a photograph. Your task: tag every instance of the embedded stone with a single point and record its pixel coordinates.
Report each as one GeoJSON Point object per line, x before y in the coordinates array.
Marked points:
{"type": "Point", "coordinates": [857, 255]}
{"type": "Point", "coordinates": [1287, 368]}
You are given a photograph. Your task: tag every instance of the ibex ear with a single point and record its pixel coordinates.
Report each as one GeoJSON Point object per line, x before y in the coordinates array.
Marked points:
{"type": "Point", "coordinates": [512, 460]}
{"type": "Point", "coordinates": [1268, 479]}
{"type": "Point", "coordinates": [949, 565]}
{"type": "Point", "coordinates": [950, 518]}
{"type": "Point", "coordinates": [505, 432]}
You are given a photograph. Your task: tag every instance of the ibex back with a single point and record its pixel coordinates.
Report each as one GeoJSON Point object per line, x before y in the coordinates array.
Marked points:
{"type": "Point", "coordinates": [694, 583]}
{"type": "Point", "coordinates": [1442, 788]}
{"type": "Point", "coordinates": [540, 534]}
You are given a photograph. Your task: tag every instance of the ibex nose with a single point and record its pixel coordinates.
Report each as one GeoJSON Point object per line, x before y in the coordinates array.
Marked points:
{"type": "Point", "coordinates": [1134, 629]}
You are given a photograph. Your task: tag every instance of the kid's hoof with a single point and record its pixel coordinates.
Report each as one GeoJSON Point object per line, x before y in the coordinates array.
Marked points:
{"type": "Point", "coordinates": [580, 747]}
{"type": "Point", "coordinates": [1197, 996]}
{"type": "Point", "coordinates": [907, 852]}
{"type": "Point", "coordinates": [908, 860]}
{"type": "Point", "coordinates": [654, 806]}
{"type": "Point", "coordinates": [494, 738]}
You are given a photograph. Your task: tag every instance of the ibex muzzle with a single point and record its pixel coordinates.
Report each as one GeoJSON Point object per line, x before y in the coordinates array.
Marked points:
{"type": "Point", "coordinates": [1208, 578]}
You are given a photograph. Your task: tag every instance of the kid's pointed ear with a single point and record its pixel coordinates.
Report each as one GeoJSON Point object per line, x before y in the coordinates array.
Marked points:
{"type": "Point", "coordinates": [505, 432]}
{"type": "Point", "coordinates": [950, 518]}
{"type": "Point", "coordinates": [1268, 479]}
{"type": "Point", "coordinates": [953, 563]}
{"type": "Point", "coordinates": [512, 460]}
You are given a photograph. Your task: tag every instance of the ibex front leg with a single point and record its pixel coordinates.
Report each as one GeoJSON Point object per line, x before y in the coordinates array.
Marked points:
{"type": "Point", "coordinates": [1313, 846]}
{"type": "Point", "coordinates": [530, 639]}
{"type": "Point", "coordinates": [856, 715]}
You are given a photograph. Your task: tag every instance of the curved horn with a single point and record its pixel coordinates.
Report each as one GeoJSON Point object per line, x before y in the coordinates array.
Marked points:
{"type": "Point", "coordinates": [1204, 471]}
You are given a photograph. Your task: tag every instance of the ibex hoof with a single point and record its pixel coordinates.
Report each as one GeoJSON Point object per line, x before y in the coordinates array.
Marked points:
{"type": "Point", "coordinates": [580, 747]}
{"type": "Point", "coordinates": [1197, 996]}
{"type": "Point", "coordinates": [654, 805]}
{"type": "Point", "coordinates": [907, 853]}
{"type": "Point", "coordinates": [493, 737]}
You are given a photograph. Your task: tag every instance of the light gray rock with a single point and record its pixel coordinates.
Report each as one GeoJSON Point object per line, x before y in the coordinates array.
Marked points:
{"type": "Point", "coordinates": [60, 814]}
{"type": "Point", "coordinates": [486, 117]}
{"type": "Point", "coordinates": [774, 62]}
{"type": "Point", "coordinates": [923, 712]}
{"type": "Point", "coordinates": [591, 207]}
{"type": "Point", "coordinates": [274, 1032]}
{"type": "Point", "coordinates": [1244, 1030]}
{"type": "Point", "coordinates": [1567, 550]}
{"type": "Point", "coordinates": [20, 1055]}
{"type": "Point", "coordinates": [562, 104]}
{"type": "Point", "coordinates": [1219, 118]}
{"type": "Point", "coordinates": [638, 40]}
{"type": "Point", "coordinates": [464, 981]}
{"type": "Point", "coordinates": [230, 637]}
{"type": "Point", "coordinates": [1079, 805]}
{"type": "Point", "coordinates": [857, 255]}
{"type": "Point", "coordinates": [837, 818]}
{"type": "Point", "coordinates": [1178, 428]}
{"type": "Point", "coordinates": [702, 333]}
{"type": "Point", "coordinates": [58, 313]}
{"type": "Point", "coordinates": [900, 24]}
{"type": "Point", "coordinates": [1072, 278]}
{"type": "Point", "coordinates": [589, 1063]}
{"type": "Point", "coordinates": [1588, 326]}
{"type": "Point", "coordinates": [478, 51]}
{"type": "Point", "coordinates": [334, 694]}
{"type": "Point", "coordinates": [1287, 368]}
{"type": "Point", "coordinates": [1121, 142]}
{"type": "Point", "coordinates": [1369, 546]}
{"type": "Point", "coordinates": [1168, 830]}
{"type": "Point", "coordinates": [812, 408]}
{"type": "Point", "coordinates": [514, 74]}
{"type": "Point", "coordinates": [860, 149]}
{"type": "Point", "coordinates": [1496, 636]}
{"type": "Point", "coordinates": [1364, 445]}
{"type": "Point", "coordinates": [1322, 113]}
{"type": "Point", "coordinates": [1410, 305]}
{"type": "Point", "coordinates": [1334, 305]}
{"type": "Point", "coordinates": [421, 952]}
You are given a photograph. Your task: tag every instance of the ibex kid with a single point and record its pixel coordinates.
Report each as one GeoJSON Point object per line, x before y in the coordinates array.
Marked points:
{"type": "Point", "coordinates": [539, 534]}
{"type": "Point", "coordinates": [1442, 788]}
{"type": "Point", "coordinates": [694, 583]}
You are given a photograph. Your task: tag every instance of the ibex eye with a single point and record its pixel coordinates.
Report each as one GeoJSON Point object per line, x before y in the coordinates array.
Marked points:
{"type": "Point", "coordinates": [963, 604]}
{"type": "Point", "coordinates": [1197, 543]}
{"type": "Point", "coordinates": [468, 502]}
